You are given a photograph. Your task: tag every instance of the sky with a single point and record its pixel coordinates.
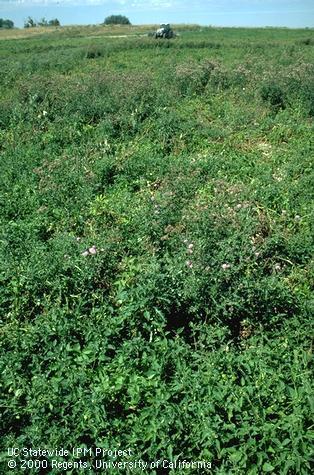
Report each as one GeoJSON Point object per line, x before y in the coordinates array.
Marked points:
{"type": "Point", "coordinates": [289, 13]}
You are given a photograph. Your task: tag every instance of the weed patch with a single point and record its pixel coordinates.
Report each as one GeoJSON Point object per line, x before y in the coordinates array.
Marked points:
{"type": "Point", "coordinates": [156, 244]}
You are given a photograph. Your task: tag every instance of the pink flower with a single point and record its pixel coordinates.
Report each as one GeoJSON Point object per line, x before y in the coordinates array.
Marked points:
{"type": "Point", "coordinates": [91, 251]}
{"type": "Point", "coordinates": [226, 266]}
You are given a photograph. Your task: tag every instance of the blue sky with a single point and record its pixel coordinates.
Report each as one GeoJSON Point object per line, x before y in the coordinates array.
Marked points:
{"type": "Point", "coordinates": [291, 13]}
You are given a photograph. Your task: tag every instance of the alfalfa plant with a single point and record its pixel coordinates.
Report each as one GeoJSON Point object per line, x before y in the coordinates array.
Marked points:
{"type": "Point", "coordinates": [273, 94]}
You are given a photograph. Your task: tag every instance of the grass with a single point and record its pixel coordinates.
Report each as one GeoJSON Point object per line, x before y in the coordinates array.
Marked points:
{"type": "Point", "coordinates": [185, 333]}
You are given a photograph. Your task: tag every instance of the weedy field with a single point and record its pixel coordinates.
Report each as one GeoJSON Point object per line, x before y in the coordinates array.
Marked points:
{"type": "Point", "coordinates": [156, 244]}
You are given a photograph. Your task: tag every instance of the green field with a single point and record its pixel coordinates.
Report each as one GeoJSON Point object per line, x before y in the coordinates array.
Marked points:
{"type": "Point", "coordinates": [156, 246]}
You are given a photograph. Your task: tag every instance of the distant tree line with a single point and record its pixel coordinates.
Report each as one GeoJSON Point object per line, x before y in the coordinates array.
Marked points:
{"type": "Point", "coordinates": [31, 23]}
{"type": "Point", "coordinates": [117, 20]}
{"type": "Point", "coordinates": [6, 24]}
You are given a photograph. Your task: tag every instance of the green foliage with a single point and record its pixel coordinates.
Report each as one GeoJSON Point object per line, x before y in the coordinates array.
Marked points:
{"type": "Point", "coordinates": [156, 243]}
{"type": "Point", "coordinates": [117, 20]}
{"type": "Point", "coordinates": [54, 22]}
{"type": "Point", "coordinates": [31, 23]}
{"type": "Point", "coordinates": [6, 24]}
{"type": "Point", "coordinates": [194, 76]}
{"type": "Point", "coordinates": [43, 22]}
{"type": "Point", "coordinates": [273, 94]}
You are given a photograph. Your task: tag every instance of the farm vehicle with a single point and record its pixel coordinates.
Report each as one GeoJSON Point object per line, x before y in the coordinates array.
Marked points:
{"type": "Point", "coordinates": [164, 31]}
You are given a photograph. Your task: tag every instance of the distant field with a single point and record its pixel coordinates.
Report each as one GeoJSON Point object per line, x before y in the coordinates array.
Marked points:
{"type": "Point", "coordinates": [87, 31]}
{"type": "Point", "coordinates": [70, 31]}
{"type": "Point", "coordinates": [157, 248]}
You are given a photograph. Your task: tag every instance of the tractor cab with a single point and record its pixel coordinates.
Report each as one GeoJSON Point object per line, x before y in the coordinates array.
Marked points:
{"type": "Point", "coordinates": [164, 31]}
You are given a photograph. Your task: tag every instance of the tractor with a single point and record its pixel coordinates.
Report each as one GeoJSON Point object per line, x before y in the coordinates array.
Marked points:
{"type": "Point", "coordinates": [164, 31]}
